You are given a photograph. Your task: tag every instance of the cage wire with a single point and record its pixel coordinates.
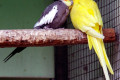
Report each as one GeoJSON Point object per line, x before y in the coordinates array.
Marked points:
{"type": "Point", "coordinates": [83, 64]}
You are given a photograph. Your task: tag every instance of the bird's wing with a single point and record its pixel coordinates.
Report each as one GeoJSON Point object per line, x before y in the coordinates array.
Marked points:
{"type": "Point", "coordinates": [89, 14]}
{"type": "Point", "coordinates": [47, 18]}
{"type": "Point", "coordinates": [89, 17]}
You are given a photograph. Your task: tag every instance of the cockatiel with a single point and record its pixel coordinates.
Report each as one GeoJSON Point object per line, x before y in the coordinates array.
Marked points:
{"type": "Point", "coordinates": [53, 17]}
{"type": "Point", "coordinates": [86, 17]}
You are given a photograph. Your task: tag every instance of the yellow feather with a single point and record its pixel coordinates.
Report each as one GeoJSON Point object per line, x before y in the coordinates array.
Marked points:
{"type": "Point", "coordinates": [106, 58]}
{"type": "Point", "coordinates": [98, 49]}
{"type": "Point", "coordinates": [89, 42]}
{"type": "Point", "coordinates": [86, 17]}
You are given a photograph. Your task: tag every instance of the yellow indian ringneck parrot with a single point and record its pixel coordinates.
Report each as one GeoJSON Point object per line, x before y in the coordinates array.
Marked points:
{"type": "Point", "coordinates": [86, 17]}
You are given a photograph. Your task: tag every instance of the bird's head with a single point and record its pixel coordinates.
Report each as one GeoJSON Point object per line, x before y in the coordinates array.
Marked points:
{"type": "Point", "coordinates": [68, 2]}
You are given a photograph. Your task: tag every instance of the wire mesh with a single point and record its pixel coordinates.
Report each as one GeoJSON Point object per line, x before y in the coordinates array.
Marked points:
{"type": "Point", "coordinates": [83, 64]}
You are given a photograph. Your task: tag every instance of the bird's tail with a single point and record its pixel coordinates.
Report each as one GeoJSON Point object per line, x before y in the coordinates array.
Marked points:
{"type": "Point", "coordinates": [17, 50]}
{"type": "Point", "coordinates": [99, 48]}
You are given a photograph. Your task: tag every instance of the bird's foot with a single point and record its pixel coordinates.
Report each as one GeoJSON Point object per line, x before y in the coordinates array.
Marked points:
{"type": "Point", "coordinates": [46, 28]}
{"type": "Point", "coordinates": [61, 28]}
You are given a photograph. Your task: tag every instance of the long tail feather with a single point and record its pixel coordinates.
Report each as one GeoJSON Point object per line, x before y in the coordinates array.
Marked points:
{"type": "Point", "coordinates": [104, 52]}
{"type": "Point", "coordinates": [106, 58]}
{"type": "Point", "coordinates": [96, 43]}
{"type": "Point", "coordinates": [8, 57]}
{"type": "Point", "coordinates": [89, 42]}
{"type": "Point", "coordinates": [17, 50]}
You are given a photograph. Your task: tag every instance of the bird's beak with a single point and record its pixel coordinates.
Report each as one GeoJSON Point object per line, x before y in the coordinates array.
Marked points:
{"type": "Point", "coordinates": [71, 5]}
{"type": "Point", "coordinates": [71, 2]}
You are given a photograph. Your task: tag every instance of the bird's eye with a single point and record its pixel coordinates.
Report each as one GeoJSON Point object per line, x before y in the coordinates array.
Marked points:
{"type": "Point", "coordinates": [54, 7]}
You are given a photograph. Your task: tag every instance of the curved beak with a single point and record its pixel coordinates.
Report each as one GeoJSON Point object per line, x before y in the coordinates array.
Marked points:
{"type": "Point", "coordinates": [71, 5]}
{"type": "Point", "coordinates": [71, 2]}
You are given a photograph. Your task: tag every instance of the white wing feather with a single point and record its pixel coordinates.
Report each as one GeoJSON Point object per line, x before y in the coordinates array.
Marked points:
{"type": "Point", "coordinates": [48, 18]}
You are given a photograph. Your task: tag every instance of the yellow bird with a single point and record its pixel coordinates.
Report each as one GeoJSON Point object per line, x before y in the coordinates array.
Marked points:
{"type": "Point", "coordinates": [86, 17]}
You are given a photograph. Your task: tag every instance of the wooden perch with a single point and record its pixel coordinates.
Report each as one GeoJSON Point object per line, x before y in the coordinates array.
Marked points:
{"type": "Point", "coordinates": [42, 37]}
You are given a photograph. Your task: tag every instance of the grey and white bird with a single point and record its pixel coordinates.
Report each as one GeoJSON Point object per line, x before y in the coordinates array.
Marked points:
{"type": "Point", "coordinates": [54, 16]}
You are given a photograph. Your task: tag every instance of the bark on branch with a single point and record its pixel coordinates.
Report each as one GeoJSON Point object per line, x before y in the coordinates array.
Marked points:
{"type": "Point", "coordinates": [42, 37]}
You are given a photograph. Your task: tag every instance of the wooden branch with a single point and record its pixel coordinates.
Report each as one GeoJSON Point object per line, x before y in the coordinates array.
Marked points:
{"type": "Point", "coordinates": [42, 37]}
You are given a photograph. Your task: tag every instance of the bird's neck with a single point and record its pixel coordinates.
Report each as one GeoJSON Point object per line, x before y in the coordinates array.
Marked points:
{"type": "Point", "coordinates": [76, 1]}
{"type": "Point", "coordinates": [81, 1]}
